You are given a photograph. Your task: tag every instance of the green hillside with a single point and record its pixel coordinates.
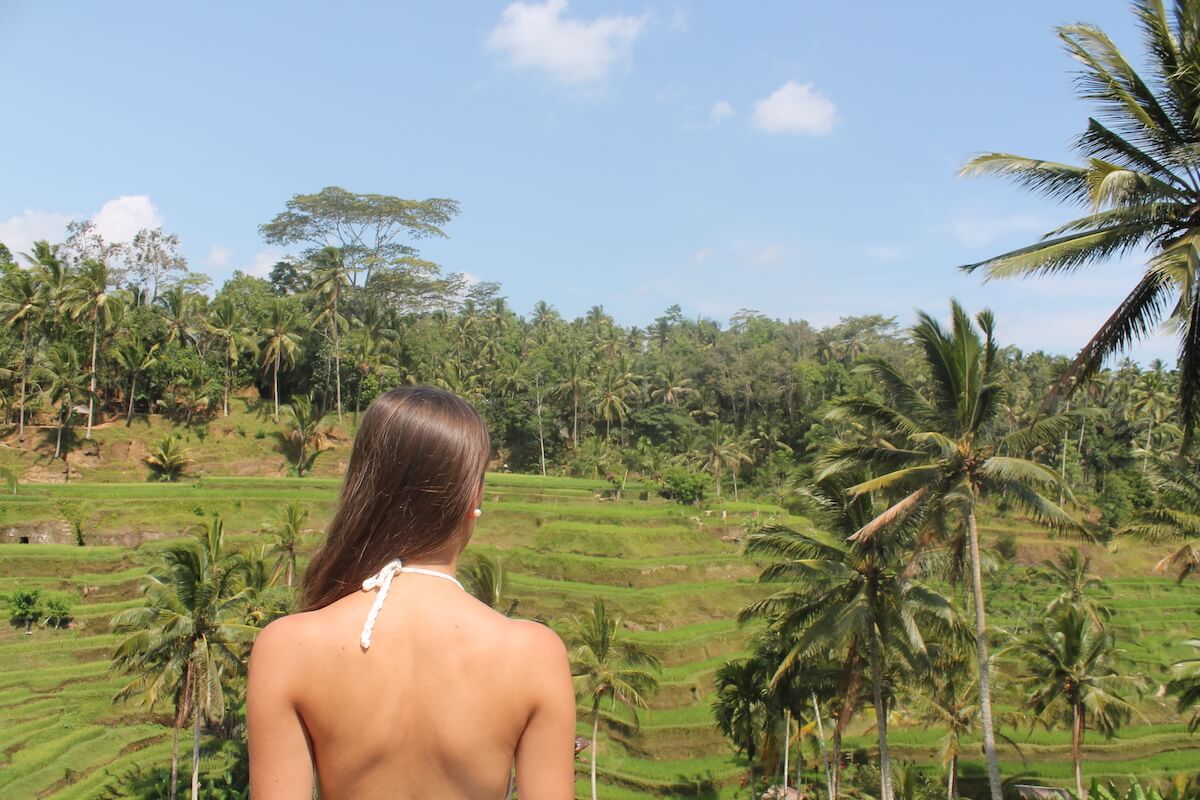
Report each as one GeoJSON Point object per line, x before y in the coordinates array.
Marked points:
{"type": "Point", "coordinates": [674, 573]}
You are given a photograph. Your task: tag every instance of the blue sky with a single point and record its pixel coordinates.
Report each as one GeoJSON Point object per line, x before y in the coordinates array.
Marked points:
{"type": "Point", "coordinates": [796, 158]}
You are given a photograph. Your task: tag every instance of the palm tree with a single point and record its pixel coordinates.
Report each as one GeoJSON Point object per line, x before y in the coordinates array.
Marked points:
{"type": "Point", "coordinates": [286, 528]}
{"type": "Point", "coordinates": [1072, 575]}
{"type": "Point", "coordinates": [23, 306]}
{"type": "Point", "coordinates": [180, 307]}
{"type": "Point", "coordinates": [225, 323]}
{"type": "Point", "coordinates": [670, 386]}
{"type": "Point", "coordinates": [9, 476]}
{"type": "Point", "coordinates": [1185, 684]}
{"type": "Point", "coordinates": [848, 594]}
{"type": "Point", "coordinates": [63, 381]}
{"type": "Point", "coordinates": [1073, 672]}
{"type": "Point", "coordinates": [54, 278]}
{"type": "Point", "coordinates": [484, 579]}
{"type": "Point", "coordinates": [187, 641]}
{"type": "Point", "coordinates": [330, 278]}
{"type": "Point", "coordinates": [935, 447]}
{"type": "Point", "coordinates": [611, 392]}
{"type": "Point", "coordinates": [608, 667]}
{"type": "Point", "coordinates": [90, 298]}
{"type": "Point", "coordinates": [167, 459]}
{"type": "Point", "coordinates": [1138, 185]}
{"type": "Point", "coordinates": [573, 384]}
{"type": "Point", "coordinates": [1175, 517]}
{"type": "Point", "coordinates": [741, 708]}
{"type": "Point", "coordinates": [948, 699]}
{"type": "Point", "coordinates": [304, 432]}
{"type": "Point", "coordinates": [722, 448]}
{"type": "Point", "coordinates": [279, 342]}
{"type": "Point", "coordinates": [134, 355]}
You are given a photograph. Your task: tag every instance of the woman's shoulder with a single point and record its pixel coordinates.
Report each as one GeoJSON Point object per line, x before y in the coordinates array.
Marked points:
{"type": "Point", "coordinates": [284, 639]}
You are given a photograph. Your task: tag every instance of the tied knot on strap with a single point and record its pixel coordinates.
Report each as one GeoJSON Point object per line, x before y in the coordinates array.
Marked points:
{"type": "Point", "coordinates": [382, 581]}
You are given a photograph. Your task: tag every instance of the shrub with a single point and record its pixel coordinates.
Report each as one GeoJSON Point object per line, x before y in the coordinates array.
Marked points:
{"type": "Point", "coordinates": [167, 459]}
{"type": "Point", "coordinates": [683, 485]}
{"type": "Point", "coordinates": [57, 613]}
{"type": "Point", "coordinates": [25, 607]}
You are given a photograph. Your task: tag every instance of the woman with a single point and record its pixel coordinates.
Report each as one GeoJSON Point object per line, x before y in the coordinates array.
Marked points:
{"type": "Point", "coordinates": [394, 682]}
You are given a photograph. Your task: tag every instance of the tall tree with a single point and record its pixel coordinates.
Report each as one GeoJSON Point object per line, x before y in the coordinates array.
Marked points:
{"type": "Point", "coordinates": [23, 307]}
{"type": "Point", "coordinates": [134, 355]}
{"type": "Point", "coordinates": [1137, 184]}
{"type": "Point", "coordinates": [304, 432]}
{"type": "Point", "coordinates": [848, 598]}
{"type": "Point", "coordinates": [1073, 669]}
{"type": "Point", "coordinates": [279, 342]}
{"type": "Point", "coordinates": [153, 257]}
{"type": "Point", "coordinates": [741, 708]}
{"type": "Point", "coordinates": [63, 382]}
{"type": "Point", "coordinates": [371, 228]}
{"type": "Point", "coordinates": [287, 529]}
{"type": "Point", "coordinates": [330, 279]}
{"type": "Point", "coordinates": [89, 298]}
{"type": "Point", "coordinates": [188, 640]}
{"type": "Point", "coordinates": [935, 448]}
{"type": "Point", "coordinates": [608, 667]}
{"type": "Point", "coordinates": [225, 322]}
{"type": "Point", "coordinates": [1174, 518]}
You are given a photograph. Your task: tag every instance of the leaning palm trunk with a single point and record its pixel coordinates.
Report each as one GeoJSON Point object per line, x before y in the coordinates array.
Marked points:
{"type": "Point", "coordinates": [227, 368]}
{"type": "Point", "coordinates": [275, 386]}
{"type": "Point", "coordinates": [985, 683]}
{"type": "Point", "coordinates": [196, 738]}
{"type": "Point", "coordinates": [595, 747]}
{"type": "Point", "coordinates": [132, 391]}
{"type": "Point", "coordinates": [24, 371]}
{"type": "Point", "coordinates": [1077, 749]}
{"type": "Point", "coordinates": [92, 382]}
{"type": "Point", "coordinates": [62, 423]}
{"type": "Point", "coordinates": [337, 358]}
{"type": "Point", "coordinates": [881, 723]}
{"type": "Point", "coordinates": [821, 742]}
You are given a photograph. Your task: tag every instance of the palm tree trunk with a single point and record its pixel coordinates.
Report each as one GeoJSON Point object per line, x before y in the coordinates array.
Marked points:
{"type": "Point", "coordinates": [575, 417]}
{"type": "Point", "coordinates": [541, 438]}
{"type": "Point", "coordinates": [337, 357]}
{"type": "Point", "coordinates": [180, 715]}
{"type": "Point", "coordinates": [824, 755]}
{"type": "Point", "coordinates": [733, 472]}
{"type": "Point", "coordinates": [132, 389]}
{"type": "Point", "coordinates": [24, 370]}
{"type": "Point", "coordinates": [227, 367]}
{"type": "Point", "coordinates": [196, 738]}
{"type": "Point", "coordinates": [753, 796]}
{"type": "Point", "coordinates": [881, 724]}
{"type": "Point", "coordinates": [952, 781]}
{"type": "Point", "coordinates": [1077, 750]}
{"type": "Point", "coordinates": [62, 421]}
{"type": "Point", "coordinates": [275, 387]}
{"type": "Point", "coordinates": [291, 568]}
{"type": "Point", "coordinates": [985, 682]}
{"type": "Point", "coordinates": [595, 747]}
{"type": "Point", "coordinates": [92, 383]}
{"type": "Point", "coordinates": [787, 736]}
{"type": "Point", "coordinates": [836, 790]}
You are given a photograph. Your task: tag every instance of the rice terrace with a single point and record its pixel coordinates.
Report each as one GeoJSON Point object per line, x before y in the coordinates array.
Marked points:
{"type": "Point", "coordinates": [912, 531]}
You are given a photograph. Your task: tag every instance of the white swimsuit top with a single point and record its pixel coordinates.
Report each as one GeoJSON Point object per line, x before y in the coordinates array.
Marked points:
{"type": "Point", "coordinates": [382, 581]}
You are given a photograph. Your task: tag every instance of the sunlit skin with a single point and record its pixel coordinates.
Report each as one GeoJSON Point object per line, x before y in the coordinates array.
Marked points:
{"type": "Point", "coordinates": [448, 697]}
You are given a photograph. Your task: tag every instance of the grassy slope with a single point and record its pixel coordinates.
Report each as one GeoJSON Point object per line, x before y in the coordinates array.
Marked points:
{"type": "Point", "coordinates": [668, 569]}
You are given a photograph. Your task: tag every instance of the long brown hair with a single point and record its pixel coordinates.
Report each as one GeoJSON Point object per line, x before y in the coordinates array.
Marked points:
{"type": "Point", "coordinates": [415, 472]}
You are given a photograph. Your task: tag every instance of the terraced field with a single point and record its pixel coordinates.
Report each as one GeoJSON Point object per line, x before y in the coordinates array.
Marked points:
{"type": "Point", "coordinates": [674, 573]}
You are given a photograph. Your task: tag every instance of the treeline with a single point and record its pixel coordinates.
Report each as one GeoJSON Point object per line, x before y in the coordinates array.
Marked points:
{"type": "Point", "coordinates": [702, 407]}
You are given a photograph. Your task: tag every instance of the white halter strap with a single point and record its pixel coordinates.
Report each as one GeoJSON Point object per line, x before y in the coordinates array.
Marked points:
{"type": "Point", "coordinates": [382, 581]}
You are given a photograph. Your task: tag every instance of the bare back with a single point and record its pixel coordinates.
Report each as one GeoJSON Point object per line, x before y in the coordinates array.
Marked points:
{"type": "Point", "coordinates": [449, 694]}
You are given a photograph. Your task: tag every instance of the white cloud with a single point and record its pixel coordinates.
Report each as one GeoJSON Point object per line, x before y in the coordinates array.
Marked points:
{"type": "Point", "coordinates": [571, 52]}
{"type": "Point", "coordinates": [978, 230]}
{"type": "Point", "coordinates": [700, 256]}
{"type": "Point", "coordinates": [120, 219]}
{"type": "Point", "coordinates": [21, 231]}
{"type": "Point", "coordinates": [218, 256]}
{"type": "Point", "coordinates": [795, 108]}
{"type": "Point", "coordinates": [263, 261]}
{"type": "Point", "coordinates": [720, 111]}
